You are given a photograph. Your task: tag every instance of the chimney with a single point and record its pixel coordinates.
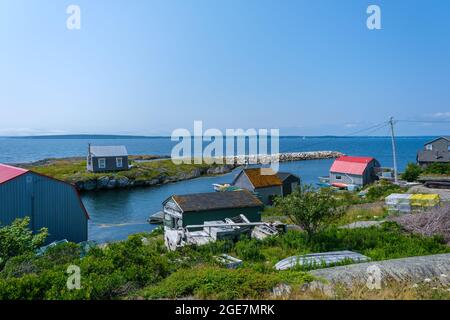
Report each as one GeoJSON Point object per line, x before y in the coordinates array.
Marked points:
{"type": "Point", "coordinates": [89, 149]}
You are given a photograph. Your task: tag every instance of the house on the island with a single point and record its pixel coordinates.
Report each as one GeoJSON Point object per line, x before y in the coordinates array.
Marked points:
{"type": "Point", "coordinates": [48, 202]}
{"type": "Point", "coordinates": [435, 151]}
{"type": "Point", "coordinates": [265, 186]}
{"type": "Point", "coordinates": [290, 182]}
{"type": "Point", "coordinates": [107, 158]}
{"type": "Point", "coordinates": [348, 171]}
{"type": "Point", "coordinates": [194, 209]}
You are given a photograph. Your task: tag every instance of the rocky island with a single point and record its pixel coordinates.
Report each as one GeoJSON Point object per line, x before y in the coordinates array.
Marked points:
{"type": "Point", "coordinates": [154, 170]}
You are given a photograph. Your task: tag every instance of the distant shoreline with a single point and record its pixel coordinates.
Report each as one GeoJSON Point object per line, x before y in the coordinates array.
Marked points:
{"type": "Point", "coordinates": [115, 136]}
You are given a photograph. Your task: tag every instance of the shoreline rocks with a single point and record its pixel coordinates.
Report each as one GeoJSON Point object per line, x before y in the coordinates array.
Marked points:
{"type": "Point", "coordinates": [108, 181]}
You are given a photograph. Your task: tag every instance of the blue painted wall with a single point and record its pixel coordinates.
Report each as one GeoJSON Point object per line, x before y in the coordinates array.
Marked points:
{"type": "Point", "coordinates": [49, 203]}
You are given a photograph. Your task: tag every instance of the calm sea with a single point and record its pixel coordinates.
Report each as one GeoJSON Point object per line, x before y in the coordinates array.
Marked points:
{"type": "Point", "coordinates": [118, 213]}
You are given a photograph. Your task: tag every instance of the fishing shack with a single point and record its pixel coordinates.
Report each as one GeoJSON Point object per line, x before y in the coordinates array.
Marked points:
{"type": "Point", "coordinates": [348, 171]}
{"type": "Point", "coordinates": [199, 209]}
{"type": "Point", "coordinates": [191, 209]}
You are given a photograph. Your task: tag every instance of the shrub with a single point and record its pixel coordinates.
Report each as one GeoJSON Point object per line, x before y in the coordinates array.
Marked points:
{"type": "Point", "coordinates": [17, 239]}
{"type": "Point", "coordinates": [438, 168]}
{"type": "Point", "coordinates": [382, 190]}
{"type": "Point", "coordinates": [310, 209]}
{"type": "Point", "coordinates": [218, 283]}
{"type": "Point", "coordinates": [412, 172]}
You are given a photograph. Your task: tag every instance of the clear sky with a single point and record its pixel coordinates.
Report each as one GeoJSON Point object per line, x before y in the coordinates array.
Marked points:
{"type": "Point", "coordinates": [148, 67]}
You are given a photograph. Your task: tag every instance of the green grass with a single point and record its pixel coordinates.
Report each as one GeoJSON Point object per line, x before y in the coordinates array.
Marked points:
{"type": "Point", "coordinates": [73, 171]}
{"type": "Point", "coordinates": [136, 268]}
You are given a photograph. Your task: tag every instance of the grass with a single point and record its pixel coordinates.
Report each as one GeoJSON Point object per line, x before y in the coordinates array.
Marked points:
{"type": "Point", "coordinates": [74, 170]}
{"type": "Point", "coordinates": [360, 213]}
{"type": "Point", "coordinates": [392, 290]}
{"type": "Point", "coordinates": [135, 268]}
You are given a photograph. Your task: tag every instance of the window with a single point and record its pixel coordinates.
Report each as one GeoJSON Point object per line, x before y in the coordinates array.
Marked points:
{"type": "Point", "coordinates": [119, 162]}
{"type": "Point", "coordinates": [429, 147]}
{"type": "Point", "coordinates": [102, 163]}
{"type": "Point", "coordinates": [338, 177]}
{"type": "Point", "coordinates": [294, 186]}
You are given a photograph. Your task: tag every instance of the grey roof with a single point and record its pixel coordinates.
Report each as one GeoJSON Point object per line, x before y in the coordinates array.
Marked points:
{"type": "Point", "coordinates": [284, 175]}
{"type": "Point", "coordinates": [443, 137]}
{"type": "Point", "coordinates": [217, 200]}
{"type": "Point", "coordinates": [109, 151]}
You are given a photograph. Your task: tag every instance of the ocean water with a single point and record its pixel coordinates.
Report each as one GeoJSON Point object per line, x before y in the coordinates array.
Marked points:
{"type": "Point", "coordinates": [117, 213]}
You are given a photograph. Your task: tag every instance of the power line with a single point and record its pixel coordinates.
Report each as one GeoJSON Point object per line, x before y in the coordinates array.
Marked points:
{"type": "Point", "coordinates": [425, 121]}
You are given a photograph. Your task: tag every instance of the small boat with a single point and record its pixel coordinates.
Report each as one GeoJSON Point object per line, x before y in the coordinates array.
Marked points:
{"type": "Point", "coordinates": [220, 187]}
{"type": "Point", "coordinates": [317, 260]}
{"type": "Point", "coordinates": [324, 181]}
{"type": "Point", "coordinates": [156, 218]}
{"type": "Point", "coordinates": [225, 187]}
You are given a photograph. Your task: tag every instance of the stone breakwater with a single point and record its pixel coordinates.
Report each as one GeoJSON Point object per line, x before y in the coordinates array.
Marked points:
{"type": "Point", "coordinates": [115, 182]}
{"type": "Point", "coordinates": [283, 157]}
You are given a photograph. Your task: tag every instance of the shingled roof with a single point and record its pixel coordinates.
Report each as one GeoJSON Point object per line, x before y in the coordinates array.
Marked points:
{"type": "Point", "coordinates": [217, 200]}
{"type": "Point", "coordinates": [261, 181]}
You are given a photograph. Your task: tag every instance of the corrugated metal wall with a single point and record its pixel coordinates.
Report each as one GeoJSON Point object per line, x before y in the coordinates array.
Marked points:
{"type": "Point", "coordinates": [48, 202]}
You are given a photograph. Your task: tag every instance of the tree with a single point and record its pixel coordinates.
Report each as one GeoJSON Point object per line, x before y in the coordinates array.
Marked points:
{"type": "Point", "coordinates": [17, 239]}
{"type": "Point", "coordinates": [412, 172]}
{"type": "Point", "coordinates": [310, 209]}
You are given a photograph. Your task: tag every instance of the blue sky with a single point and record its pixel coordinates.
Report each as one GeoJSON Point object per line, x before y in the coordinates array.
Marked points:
{"type": "Point", "coordinates": [148, 67]}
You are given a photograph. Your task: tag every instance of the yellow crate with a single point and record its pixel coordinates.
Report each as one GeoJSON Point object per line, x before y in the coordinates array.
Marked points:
{"type": "Point", "coordinates": [424, 200]}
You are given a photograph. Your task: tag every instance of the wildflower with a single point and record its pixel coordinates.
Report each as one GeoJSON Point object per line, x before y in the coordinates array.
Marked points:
{"type": "Point", "coordinates": [415, 285]}
{"type": "Point", "coordinates": [443, 276]}
{"type": "Point", "coordinates": [427, 280]}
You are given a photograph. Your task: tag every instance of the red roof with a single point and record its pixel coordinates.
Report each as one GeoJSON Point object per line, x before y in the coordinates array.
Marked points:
{"type": "Point", "coordinates": [8, 172]}
{"type": "Point", "coordinates": [350, 165]}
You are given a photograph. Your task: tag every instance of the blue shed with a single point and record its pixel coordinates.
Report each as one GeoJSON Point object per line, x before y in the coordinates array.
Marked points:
{"type": "Point", "coordinates": [50, 203]}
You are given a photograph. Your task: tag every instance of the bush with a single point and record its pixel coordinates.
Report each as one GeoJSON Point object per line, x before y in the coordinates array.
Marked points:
{"type": "Point", "coordinates": [412, 172]}
{"type": "Point", "coordinates": [381, 190]}
{"type": "Point", "coordinates": [218, 283]}
{"type": "Point", "coordinates": [438, 168]}
{"type": "Point", "coordinates": [311, 209]}
{"type": "Point", "coordinates": [17, 239]}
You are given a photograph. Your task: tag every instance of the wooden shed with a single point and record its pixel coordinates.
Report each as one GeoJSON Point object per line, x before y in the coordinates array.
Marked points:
{"type": "Point", "coordinates": [290, 182]}
{"type": "Point", "coordinates": [48, 202]}
{"type": "Point", "coordinates": [195, 209]}
{"type": "Point", "coordinates": [267, 187]}
{"type": "Point", "coordinates": [356, 171]}
{"type": "Point", "coordinates": [107, 158]}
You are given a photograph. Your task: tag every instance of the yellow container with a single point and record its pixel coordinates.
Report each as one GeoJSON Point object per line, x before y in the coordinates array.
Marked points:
{"type": "Point", "coordinates": [424, 200]}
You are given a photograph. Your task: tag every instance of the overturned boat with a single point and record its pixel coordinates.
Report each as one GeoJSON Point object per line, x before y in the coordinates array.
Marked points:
{"type": "Point", "coordinates": [323, 259]}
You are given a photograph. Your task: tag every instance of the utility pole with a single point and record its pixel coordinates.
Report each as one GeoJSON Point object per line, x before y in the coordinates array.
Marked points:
{"type": "Point", "coordinates": [394, 153]}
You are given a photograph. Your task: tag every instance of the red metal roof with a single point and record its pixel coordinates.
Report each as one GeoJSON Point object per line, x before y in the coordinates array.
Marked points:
{"type": "Point", "coordinates": [350, 165]}
{"type": "Point", "coordinates": [8, 172]}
